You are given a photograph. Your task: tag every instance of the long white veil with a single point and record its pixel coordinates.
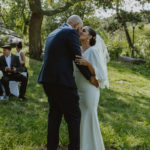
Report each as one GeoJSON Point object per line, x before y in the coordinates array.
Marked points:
{"type": "Point", "coordinates": [104, 59]}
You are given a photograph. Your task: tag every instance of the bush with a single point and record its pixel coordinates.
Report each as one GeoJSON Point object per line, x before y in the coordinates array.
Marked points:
{"type": "Point", "coordinates": [143, 45]}
{"type": "Point", "coordinates": [147, 57]}
{"type": "Point", "coordinates": [115, 49]}
{"type": "Point", "coordinates": [3, 41]}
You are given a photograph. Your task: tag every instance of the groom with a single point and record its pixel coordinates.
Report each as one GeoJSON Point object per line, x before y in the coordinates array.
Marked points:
{"type": "Point", "coordinates": [62, 45]}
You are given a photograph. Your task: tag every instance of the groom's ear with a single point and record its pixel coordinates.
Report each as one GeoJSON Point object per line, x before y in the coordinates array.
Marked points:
{"type": "Point", "coordinates": [77, 26]}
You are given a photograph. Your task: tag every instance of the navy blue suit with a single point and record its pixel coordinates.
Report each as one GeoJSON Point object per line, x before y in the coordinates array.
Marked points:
{"type": "Point", "coordinates": [62, 45]}
{"type": "Point", "coordinates": [1, 90]}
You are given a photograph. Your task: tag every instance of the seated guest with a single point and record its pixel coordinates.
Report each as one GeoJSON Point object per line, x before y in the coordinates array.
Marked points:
{"type": "Point", "coordinates": [1, 90]}
{"type": "Point", "coordinates": [22, 58]}
{"type": "Point", "coordinates": [10, 65]}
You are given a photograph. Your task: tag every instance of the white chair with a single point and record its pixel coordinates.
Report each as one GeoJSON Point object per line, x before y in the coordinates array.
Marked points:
{"type": "Point", "coordinates": [14, 88]}
{"type": "Point", "coordinates": [14, 85]}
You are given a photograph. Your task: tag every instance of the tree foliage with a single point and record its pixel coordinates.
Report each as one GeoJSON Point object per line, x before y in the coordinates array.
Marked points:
{"type": "Point", "coordinates": [36, 18]}
{"type": "Point", "coordinates": [15, 15]}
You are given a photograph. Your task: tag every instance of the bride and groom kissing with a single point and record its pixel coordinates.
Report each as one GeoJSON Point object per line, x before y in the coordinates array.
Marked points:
{"type": "Point", "coordinates": [71, 77]}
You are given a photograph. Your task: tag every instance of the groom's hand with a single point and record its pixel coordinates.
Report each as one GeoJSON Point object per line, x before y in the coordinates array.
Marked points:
{"type": "Point", "coordinates": [94, 81]}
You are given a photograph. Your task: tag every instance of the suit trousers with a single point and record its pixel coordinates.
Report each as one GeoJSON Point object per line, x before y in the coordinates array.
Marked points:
{"type": "Point", "coordinates": [15, 77]}
{"type": "Point", "coordinates": [1, 90]}
{"type": "Point", "coordinates": [63, 101]}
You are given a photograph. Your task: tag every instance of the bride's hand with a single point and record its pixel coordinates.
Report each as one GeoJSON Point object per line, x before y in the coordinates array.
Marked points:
{"type": "Point", "coordinates": [80, 60]}
{"type": "Point", "coordinates": [94, 81]}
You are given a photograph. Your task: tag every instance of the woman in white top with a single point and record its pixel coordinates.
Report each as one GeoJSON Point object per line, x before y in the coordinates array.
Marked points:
{"type": "Point", "coordinates": [22, 58]}
{"type": "Point", "coordinates": [20, 53]}
{"type": "Point", "coordinates": [90, 134]}
{"type": "Point", "coordinates": [13, 84]}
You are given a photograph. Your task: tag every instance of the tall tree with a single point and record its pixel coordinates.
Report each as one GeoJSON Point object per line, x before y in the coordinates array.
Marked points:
{"type": "Point", "coordinates": [35, 24]}
{"type": "Point", "coordinates": [123, 17]}
{"type": "Point", "coordinates": [83, 9]}
{"type": "Point", "coordinates": [38, 13]}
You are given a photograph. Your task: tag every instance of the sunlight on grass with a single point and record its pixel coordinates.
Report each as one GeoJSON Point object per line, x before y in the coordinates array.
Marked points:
{"type": "Point", "coordinates": [123, 112]}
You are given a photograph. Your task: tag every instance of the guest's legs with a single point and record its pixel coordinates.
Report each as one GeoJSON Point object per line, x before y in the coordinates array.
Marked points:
{"type": "Point", "coordinates": [23, 80]}
{"type": "Point", "coordinates": [5, 82]}
{"type": "Point", "coordinates": [1, 90]}
{"type": "Point", "coordinates": [23, 86]}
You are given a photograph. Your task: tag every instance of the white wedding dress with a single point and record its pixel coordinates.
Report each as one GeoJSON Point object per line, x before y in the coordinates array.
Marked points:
{"type": "Point", "coordinates": [90, 134]}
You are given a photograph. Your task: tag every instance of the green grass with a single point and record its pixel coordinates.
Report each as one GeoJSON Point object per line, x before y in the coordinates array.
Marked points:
{"type": "Point", "coordinates": [124, 112]}
{"type": "Point", "coordinates": [124, 109]}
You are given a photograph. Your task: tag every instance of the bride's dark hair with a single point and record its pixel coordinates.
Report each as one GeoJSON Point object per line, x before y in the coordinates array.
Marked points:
{"type": "Point", "coordinates": [93, 34]}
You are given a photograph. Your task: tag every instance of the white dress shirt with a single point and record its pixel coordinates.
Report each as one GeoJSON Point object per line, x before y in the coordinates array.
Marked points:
{"type": "Point", "coordinates": [8, 60]}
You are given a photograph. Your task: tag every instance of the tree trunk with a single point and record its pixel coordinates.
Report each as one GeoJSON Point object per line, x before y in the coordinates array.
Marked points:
{"type": "Point", "coordinates": [25, 28]}
{"type": "Point", "coordinates": [35, 46]}
{"type": "Point", "coordinates": [128, 38]}
{"type": "Point", "coordinates": [123, 23]}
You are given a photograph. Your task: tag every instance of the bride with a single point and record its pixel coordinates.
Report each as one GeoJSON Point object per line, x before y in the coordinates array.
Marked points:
{"type": "Point", "coordinates": [95, 57]}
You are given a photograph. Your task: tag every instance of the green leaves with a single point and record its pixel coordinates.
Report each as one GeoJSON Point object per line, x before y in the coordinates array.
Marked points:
{"type": "Point", "coordinates": [14, 14]}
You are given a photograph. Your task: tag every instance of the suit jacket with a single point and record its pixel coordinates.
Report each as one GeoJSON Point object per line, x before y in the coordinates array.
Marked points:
{"type": "Point", "coordinates": [62, 45]}
{"type": "Point", "coordinates": [14, 63]}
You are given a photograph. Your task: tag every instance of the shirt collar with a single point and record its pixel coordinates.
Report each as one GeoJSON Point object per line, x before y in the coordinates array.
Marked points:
{"type": "Point", "coordinates": [8, 56]}
{"type": "Point", "coordinates": [66, 24]}
{"type": "Point", "coordinates": [69, 25]}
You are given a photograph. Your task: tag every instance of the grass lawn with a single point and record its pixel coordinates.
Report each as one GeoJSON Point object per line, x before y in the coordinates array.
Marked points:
{"type": "Point", "coordinates": [124, 112]}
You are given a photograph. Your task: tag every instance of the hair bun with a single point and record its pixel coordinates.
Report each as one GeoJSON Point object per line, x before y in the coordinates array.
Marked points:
{"type": "Point", "coordinates": [93, 39]}
{"type": "Point", "coordinates": [19, 45]}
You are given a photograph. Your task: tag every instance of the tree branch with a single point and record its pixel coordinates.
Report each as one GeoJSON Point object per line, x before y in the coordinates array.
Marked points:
{"type": "Point", "coordinates": [58, 10]}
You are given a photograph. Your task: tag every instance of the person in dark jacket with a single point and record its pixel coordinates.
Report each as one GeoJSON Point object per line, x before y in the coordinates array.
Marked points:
{"type": "Point", "coordinates": [56, 76]}
{"type": "Point", "coordinates": [10, 66]}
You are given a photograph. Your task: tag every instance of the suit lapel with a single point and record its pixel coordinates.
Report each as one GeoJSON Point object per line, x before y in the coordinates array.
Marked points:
{"type": "Point", "coordinates": [4, 60]}
{"type": "Point", "coordinates": [11, 60]}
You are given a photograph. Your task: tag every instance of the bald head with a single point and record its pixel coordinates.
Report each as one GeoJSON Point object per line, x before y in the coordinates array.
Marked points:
{"type": "Point", "coordinates": [76, 22]}
{"type": "Point", "coordinates": [74, 19]}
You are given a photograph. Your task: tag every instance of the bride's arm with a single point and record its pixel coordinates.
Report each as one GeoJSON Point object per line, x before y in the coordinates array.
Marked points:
{"type": "Point", "coordinates": [80, 60]}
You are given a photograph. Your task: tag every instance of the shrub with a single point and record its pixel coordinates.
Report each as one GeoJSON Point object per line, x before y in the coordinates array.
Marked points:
{"type": "Point", "coordinates": [115, 49]}
{"type": "Point", "coordinates": [3, 41]}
